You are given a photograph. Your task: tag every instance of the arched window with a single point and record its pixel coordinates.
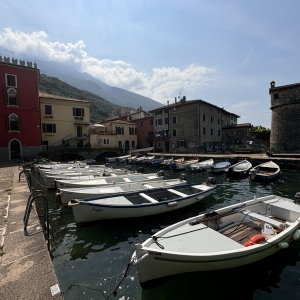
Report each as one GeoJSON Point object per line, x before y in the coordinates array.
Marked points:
{"type": "Point", "coordinates": [133, 144]}
{"type": "Point", "coordinates": [119, 144]}
{"type": "Point", "coordinates": [12, 97]}
{"type": "Point", "coordinates": [13, 122]}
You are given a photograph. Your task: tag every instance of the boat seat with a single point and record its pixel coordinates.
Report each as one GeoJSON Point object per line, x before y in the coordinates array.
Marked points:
{"type": "Point", "coordinates": [150, 199]}
{"type": "Point", "coordinates": [262, 218]}
{"type": "Point", "coordinates": [148, 186]}
{"type": "Point", "coordinates": [176, 193]}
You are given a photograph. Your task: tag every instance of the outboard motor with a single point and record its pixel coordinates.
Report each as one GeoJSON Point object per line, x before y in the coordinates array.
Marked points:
{"type": "Point", "coordinates": [160, 173]}
{"type": "Point", "coordinates": [183, 176]}
{"type": "Point", "coordinates": [297, 197]}
{"type": "Point", "coordinates": [141, 170]}
{"type": "Point", "coordinates": [211, 181]}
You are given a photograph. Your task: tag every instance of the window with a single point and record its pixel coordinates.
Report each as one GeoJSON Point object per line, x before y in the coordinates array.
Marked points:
{"type": "Point", "coordinates": [78, 112]}
{"type": "Point", "coordinates": [142, 123]}
{"type": "Point", "coordinates": [219, 132]}
{"type": "Point", "coordinates": [13, 122]}
{"type": "Point", "coordinates": [211, 119]}
{"type": "Point", "coordinates": [106, 141]}
{"type": "Point", "coordinates": [49, 128]}
{"type": "Point", "coordinates": [131, 130]}
{"type": "Point", "coordinates": [151, 122]}
{"type": "Point", "coordinates": [120, 144]}
{"type": "Point", "coordinates": [12, 97]}
{"type": "Point", "coordinates": [166, 120]}
{"type": "Point", "coordinates": [204, 130]}
{"type": "Point", "coordinates": [218, 120]}
{"type": "Point", "coordinates": [174, 132]}
{"type": "Point", "coordinates": [174, 120]}
{"type": "Point", "coordinates": [48, 109]}
{"type": "Point", "coordinates": [276, 96]}
{"type": "Point", "coordinates": [11, 80]}
{"type": "Point", "coordinates": [211, 131]}
{"type": "Point", "coordinates": [166, 110]}
{"type": "Point", "coordinates": [181, 143]}
{"type": "Point", "coordinates": [203, 117]}
{"type": "Point", "coordinates": [158, 122]}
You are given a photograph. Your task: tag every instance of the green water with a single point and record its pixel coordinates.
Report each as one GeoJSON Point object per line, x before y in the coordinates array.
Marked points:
{"type": "Point", "coordinates": [88, 259]}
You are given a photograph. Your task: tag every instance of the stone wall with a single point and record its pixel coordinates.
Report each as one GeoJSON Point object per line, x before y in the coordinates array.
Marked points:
{"type": "Point", "coordinates": [285, 106]}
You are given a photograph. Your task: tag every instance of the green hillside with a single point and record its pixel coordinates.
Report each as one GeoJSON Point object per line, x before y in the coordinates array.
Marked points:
{"type": "Point", "coordinates": [100, 108]}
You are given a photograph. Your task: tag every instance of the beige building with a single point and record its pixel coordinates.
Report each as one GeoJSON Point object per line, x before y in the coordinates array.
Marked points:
{"type": "Point", "coordinates": [119, 134]}
{"type": "Point", "coordinates": [64, 121]}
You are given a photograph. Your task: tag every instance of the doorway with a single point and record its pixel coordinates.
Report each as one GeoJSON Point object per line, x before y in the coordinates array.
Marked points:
{"type": "Point", "coordinates": [15, 149]}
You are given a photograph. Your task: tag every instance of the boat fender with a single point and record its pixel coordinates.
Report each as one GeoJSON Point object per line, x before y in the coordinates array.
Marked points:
{"type": "Point", "coordinates": [296, 234]}
{"type": "Point", "coordinates": [173, 165]}
{"type": "Point", "coordinates": [256, 239]}
{"type": "Point", "coordinates": [211, 180]}
{"type": "Point", "coordinates": [139, 260]}
{"type": "Point", "coordinates": [160, 173]}
{"type": "Point", "coordinates": [73, 203]}
{"type": "Point", "coordinates": [174, 203]}
{"type": "Point", "coordinates": [183, 176]}
{"type": "Point", "coordinates": [283, 245]}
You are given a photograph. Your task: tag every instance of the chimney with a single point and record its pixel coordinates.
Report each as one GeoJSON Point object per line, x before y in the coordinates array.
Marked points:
{"type": "Point", "coordinates": [175, 99]}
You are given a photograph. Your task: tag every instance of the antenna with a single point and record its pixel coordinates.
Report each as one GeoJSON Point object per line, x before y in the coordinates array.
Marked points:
{"type": "Point", "coordinates": [10, 52]}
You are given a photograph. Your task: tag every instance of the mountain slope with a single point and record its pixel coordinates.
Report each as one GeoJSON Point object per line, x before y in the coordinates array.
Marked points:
{"type": "Point", "coordinates": [100, 108]}
{"type": "Point", "coordinates": [84, 81]}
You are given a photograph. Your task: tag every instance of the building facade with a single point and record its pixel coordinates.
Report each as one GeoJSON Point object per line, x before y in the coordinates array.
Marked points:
{"type": "Point", "coordinates": [285, 106]}
{"type": "Point", "coordinates": [65, 122]}
{"type": "Point", "coordinates": [144, 126]}
{"type": "Point", "coordinates": [189, 126]}
{"type": "Point", "coordinates": [236, 134]}
{"type": "Point", "coordinates": [117, 133]}
{"type": "Point", "coordinates": [19, 109]}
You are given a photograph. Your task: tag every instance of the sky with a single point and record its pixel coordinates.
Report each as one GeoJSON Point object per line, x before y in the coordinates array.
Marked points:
{"type": "Point", "coordinates": [225, 52]}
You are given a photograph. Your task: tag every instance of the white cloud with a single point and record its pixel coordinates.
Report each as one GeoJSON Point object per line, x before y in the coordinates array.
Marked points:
{"type": "Point", "coordinates": [160, 84]}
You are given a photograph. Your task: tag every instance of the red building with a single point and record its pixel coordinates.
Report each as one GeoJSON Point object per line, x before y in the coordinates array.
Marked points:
{"type": "Point", "coordinates": [19, 109]}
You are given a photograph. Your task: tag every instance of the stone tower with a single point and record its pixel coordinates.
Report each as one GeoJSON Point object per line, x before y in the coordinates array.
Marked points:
{"type": "Point", "coordinates": [285, 125]}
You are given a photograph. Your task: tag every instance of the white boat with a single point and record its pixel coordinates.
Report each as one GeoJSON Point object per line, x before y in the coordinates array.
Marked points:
{"type": "Point", "coordinates": [67, 194]}
{"type": "Point", "coordinates": [219, 167]}
{"type": "Point", "coordinates": [107, 180]}
{"type": "Point", "coordinates": [200, 166]}
{"type": "Point", "coordinates": [239, 169]}
{"type": "Point", "coordinates": [50, 178]}
{"type": "Point", "coordinates": [139, 204]}
{"type": "Point", "coordinates": [182, 163]}
{"type": "Point", "coordinates": [265, 171]}
{"type": "Point", "coordinates": [229, 237]}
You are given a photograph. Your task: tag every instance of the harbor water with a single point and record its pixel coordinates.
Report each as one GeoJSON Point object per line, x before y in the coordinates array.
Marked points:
{"type": "Point", "coordinates": [90, 260]}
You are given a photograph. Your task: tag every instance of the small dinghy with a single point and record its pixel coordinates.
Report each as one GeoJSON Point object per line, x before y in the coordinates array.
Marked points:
{"type": "Point", "coordinates": [67, 194]}
{"type": "Point", "coordinates": [239, 169]}
{"type": "Point", "coordinates": [200, 166]}
{"type": "Point", "coordinates": [265, 171]}
{"type": "Point", "coordinates": [219, 167]}
{"type": "Point", "coordinates": [139, 204]}
{"type": "Point", "coordinates": [229, 237]}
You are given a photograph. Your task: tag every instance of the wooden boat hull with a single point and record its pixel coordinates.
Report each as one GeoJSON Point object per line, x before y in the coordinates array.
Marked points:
{"type": "Point", "coordinates": [186, 251]}
{"type": "Point", "coordinates": [66, 195]}
{"type": "Point", "coordinates": [123, 206]}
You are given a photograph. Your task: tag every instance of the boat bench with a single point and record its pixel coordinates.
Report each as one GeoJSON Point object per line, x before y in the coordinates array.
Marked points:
{"type": "Point", "coordinates": [150, 199]}
{"type": "Point", "coordinates": [262, 218]}
{"type": "Point", "coordinates": [148, 186]}
{"type": "Point", "coordinates": [176, 193]}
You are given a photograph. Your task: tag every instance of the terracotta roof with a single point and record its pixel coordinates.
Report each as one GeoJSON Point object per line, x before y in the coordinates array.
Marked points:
{"type": "Point", "coordinates": [49, 96]}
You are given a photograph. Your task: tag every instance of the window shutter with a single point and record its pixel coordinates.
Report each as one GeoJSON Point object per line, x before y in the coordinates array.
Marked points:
{"type": "Point", "coordinates": [54, 128]}
{"type": "Point", "coordinates": [44, 127]}
{"type": "Point", "coordinates": [5, 96]}
{"type": "Point", "coordinates": [19, 123]}
{"type": "Point", "coordinates": [18, 98]}
{"type": "Point", "coordinates": [6, 122]}
{"type": "Point", "coordinates": [74, 111]}
{"type": "Point", "coordinates": [83, 112]}
{"type": "Point", "coordinates": [178, 144]}
{"type": "Point", "coordinates": [122, 130]}
{"type": "Point", "coordinates": [184, 144]}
